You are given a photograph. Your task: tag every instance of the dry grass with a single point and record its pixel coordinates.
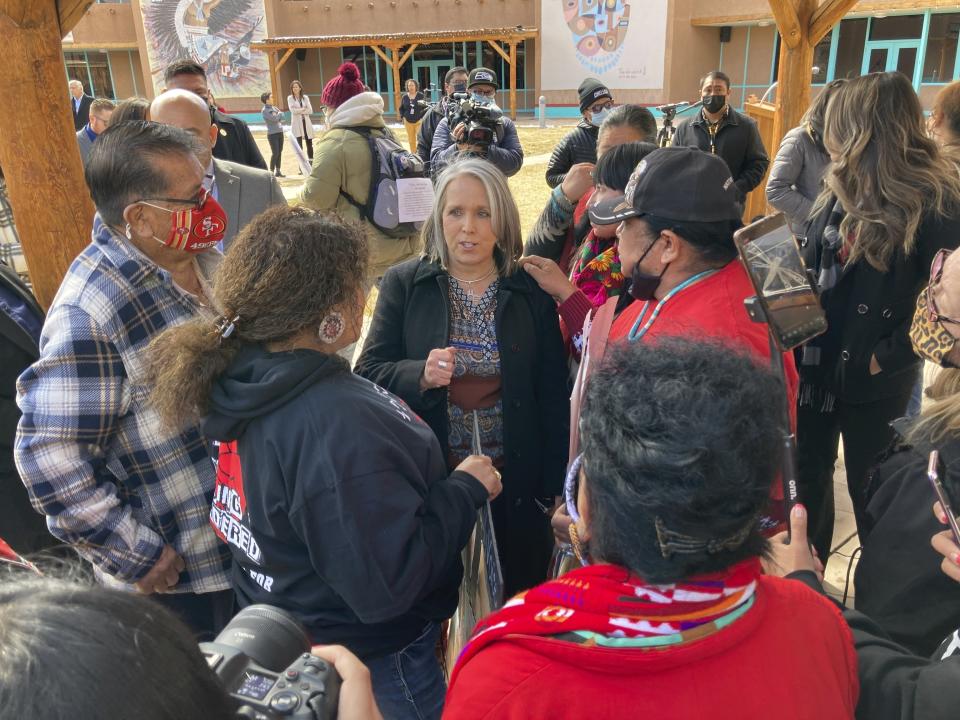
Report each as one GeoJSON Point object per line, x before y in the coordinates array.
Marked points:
{"type": "Point", "coordinates": [529, 185]}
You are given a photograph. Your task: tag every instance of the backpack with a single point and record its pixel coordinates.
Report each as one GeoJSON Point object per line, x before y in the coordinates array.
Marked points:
{"type": "Point", "coordinates": [389, 163]}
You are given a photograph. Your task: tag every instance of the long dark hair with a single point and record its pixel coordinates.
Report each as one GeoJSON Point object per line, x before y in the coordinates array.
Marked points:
{"type": "Point", "coordinates": [285, 271]}
{"type": "Point", "coordinates": [79, 651]}
{"type": "Point", "coordinates": [612, 171]}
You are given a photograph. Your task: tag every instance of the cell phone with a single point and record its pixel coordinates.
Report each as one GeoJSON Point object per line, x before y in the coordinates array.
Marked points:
{"type": "Point", "coordinates": [934, 466]}
{"type": "Point", "coordinates": [786, 295]}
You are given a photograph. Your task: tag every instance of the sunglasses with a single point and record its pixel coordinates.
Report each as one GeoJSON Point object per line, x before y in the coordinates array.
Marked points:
{"type": "Point", "coordinates": [936, 274]}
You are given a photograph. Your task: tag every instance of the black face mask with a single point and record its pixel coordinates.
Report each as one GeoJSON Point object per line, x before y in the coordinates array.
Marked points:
{"type": "Point", "coordinates": [714, 103]}
{"type": "Point", "coordinates": [460, 87]}
{"type": "Point", "coordinates": [643, 285]}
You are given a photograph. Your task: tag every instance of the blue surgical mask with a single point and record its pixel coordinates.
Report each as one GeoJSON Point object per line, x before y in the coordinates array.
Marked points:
{"type": "Point", "coordinates": [598, 116]}
{"type": "Point", "coordinates": [480, 99]}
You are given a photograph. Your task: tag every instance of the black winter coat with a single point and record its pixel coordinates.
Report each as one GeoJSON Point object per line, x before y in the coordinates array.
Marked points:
{"type": "Point", "coordinates": [869, 313]}
{"type": "Point", "coordinates": [577, 146]}
{"type": "Point", "coordinates": [738, 143]}
{"type": "Point", "coordinates": [898, 580]}
{"type": "Point", "coordinates": [20, 525]}
{"type": "Point", "coordinates": [428, 126]}
{"type": "Point", "coordinates": [896, 684]}
{"type": "Point", "coordinates": [235, 142]}
{"type": "Point", "coordinates": [411, 319]}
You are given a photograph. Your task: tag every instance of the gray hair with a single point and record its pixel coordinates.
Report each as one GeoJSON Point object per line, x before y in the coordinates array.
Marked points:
{"type": "Point", "coordinates": [504, 215]}
{"type": "Point", "coordinates": [74, 82]}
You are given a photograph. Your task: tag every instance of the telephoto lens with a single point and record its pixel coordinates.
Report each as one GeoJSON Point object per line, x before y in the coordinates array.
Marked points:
{"type": "Point", "coordinates": [263, 659]}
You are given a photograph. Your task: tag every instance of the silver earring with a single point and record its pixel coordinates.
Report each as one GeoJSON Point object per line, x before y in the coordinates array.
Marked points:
{"type": "Point", "coordinates": [332, 328]}
{"type": "Point", "coordinates": [127, 232]}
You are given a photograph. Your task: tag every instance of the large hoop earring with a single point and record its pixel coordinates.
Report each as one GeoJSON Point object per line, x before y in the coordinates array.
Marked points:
{"type": "Point", "coordinates": [332, 327]}
{"type": "Point", "coordinates": [578, 549]}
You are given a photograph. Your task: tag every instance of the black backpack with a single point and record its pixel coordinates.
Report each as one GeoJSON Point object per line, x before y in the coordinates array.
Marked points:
{"type": "Point", "coordinates": [389, 163]}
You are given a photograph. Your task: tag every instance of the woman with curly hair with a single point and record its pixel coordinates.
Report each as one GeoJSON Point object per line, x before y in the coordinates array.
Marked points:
{"type": "Point", "coordinates": [334, 498]}
{"type": "Point", "coordinates": [892, 200]}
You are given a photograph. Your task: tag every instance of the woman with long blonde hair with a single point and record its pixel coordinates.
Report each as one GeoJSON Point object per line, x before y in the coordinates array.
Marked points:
{"type": "Point", "coordinates": [891, 201]}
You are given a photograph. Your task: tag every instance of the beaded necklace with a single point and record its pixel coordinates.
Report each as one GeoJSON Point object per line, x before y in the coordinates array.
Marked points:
{"type": "Point", "coordinates": [634, 334]}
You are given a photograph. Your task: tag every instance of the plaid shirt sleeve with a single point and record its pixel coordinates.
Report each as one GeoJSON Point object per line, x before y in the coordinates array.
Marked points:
{"type": "Point", "coordinates": [72, 399]}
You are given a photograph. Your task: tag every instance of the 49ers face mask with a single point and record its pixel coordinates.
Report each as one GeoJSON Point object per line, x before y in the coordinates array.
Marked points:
{"type": "Point", "coordinates": [197, 229]}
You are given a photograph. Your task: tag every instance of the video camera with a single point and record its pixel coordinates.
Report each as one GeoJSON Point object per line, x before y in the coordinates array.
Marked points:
{"type": "Point", "coordinates": [263, 659]}
{"type": "Point", "coordinates": [482, 121]}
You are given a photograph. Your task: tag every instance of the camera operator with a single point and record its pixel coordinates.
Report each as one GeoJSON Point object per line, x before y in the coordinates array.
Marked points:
{"type": "Point", "coordinates": [454, 87]}
{"type": "Point", "coordinates": [480, 110]}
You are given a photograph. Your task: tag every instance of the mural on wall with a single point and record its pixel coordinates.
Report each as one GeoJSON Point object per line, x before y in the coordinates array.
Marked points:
{"type": "Point", "coordinates": [216, 34]}
{"type": "Point", "coordinates": [597, 38]}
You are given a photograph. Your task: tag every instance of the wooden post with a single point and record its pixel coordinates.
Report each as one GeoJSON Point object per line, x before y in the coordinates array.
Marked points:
{"type": "Point", "coordinates": [38, 150]}
{"type": "Point", "coordinates": [801, 25]}
{"type": "Point", "coordinates": [397, 90]}
{"type": "Point", "coordinates": [274, 76]}
{"type": "Point", "coordinates": [513, 80]}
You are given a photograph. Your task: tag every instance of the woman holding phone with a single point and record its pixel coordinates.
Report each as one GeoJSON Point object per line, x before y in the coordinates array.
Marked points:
{"type": "Point", "coordinates": [300, 121]}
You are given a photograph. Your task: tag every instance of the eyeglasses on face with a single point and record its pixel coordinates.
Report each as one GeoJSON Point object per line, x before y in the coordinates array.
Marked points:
{"type": "Point", "coordinates": [608, 105]}
{"type": "Point", "coordinates": [196, 203]}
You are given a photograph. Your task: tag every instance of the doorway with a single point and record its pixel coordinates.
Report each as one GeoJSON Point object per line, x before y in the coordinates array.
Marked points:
{"type": "Point", "coordinates": [893, 56]}
{"type": "Point", "coordinates": [430, 74]}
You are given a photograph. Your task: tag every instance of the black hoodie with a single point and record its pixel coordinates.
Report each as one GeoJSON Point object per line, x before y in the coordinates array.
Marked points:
{"type": "Point", "coordinates": [343, 513]}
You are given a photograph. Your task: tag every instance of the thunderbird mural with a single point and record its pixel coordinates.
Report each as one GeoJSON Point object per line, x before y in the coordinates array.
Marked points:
{"type": "Point", "coordinates": [216, 34]}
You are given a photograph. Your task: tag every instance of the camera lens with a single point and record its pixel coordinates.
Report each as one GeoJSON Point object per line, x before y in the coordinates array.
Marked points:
{"type": "Point", "coordinates": [269, 636]}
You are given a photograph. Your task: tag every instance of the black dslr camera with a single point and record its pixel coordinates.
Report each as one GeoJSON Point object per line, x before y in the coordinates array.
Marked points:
{"type": "Point", "coordinates": [482, 122]}
{"type": "Point", "coordinates": [263, 659]}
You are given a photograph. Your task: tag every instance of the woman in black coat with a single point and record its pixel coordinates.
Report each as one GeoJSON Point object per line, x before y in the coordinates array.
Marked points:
{"type": "Point", "coordinates": [892, 200]}
{"type": "Point", "coordinates": [464, 330]}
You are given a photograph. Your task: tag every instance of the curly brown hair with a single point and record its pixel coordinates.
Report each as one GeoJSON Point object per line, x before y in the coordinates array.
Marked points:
{"type": "Point", "coordinates": [285, 271]}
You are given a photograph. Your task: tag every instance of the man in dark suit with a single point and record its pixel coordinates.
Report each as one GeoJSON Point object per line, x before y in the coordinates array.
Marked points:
{"type": "Point", "coordinates": [244, 192]}
{"type": "Point", "coordinates": [20, 321]}
{"type": "Point", "coordinates": [80, 102]}
{"type": "Point", "coordinates": [234, 140]}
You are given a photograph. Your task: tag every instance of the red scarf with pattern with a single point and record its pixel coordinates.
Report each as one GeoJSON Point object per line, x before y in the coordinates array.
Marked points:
{"type": "Point", "coordinates": [608, 600]}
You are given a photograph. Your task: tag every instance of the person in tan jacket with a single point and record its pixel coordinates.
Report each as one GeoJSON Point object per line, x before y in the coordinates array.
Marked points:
{"type": "Point", "coordinates": [342, 165]}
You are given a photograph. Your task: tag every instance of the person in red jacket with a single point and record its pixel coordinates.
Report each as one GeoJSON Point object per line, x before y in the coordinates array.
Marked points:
{"type": "Point", "coordinates": [670, 616]}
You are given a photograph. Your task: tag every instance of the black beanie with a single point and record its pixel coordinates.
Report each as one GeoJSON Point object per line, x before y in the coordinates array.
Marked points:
{"type": "Point", "coordinates": [590, 91]}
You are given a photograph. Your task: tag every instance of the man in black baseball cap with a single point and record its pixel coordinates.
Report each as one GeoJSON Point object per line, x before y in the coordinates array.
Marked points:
{"type": "Point", "coordinates": [504, 150]}
{"type": "Point", "coordinates": [580, 144]}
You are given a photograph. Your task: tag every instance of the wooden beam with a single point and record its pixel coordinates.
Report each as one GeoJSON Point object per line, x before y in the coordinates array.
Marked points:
{"type": "Point", "coordinates": [496, 46]}
{"type": "Point", "coordinates": [383, 55]}
{"type": "Point", "coordinates": [407, 54]}
{"type": "Point", "coordinates": [397, 90]}
{"type": "Point", "coordinates": [826, 16]}
{"type": "Point", "coordinates": [38, 151]}
{"type": "Point", "coordinates": [283, 60]}
{"type": "Point", "coordinates": [70, 12]}
{"type": "Point", "coordinates": [794, 76]}
{"type": "Point", "coordinates": [274, 76]}
{"type": "Point", "coordinates": [513, 80]}
{"type": "Point", "coordinates": [788, 22]}
{"type": "Point", "coordinates": [443, 36]}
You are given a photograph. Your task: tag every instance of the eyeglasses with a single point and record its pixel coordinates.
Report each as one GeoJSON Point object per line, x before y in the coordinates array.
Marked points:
{"type": "Point", "coordinates": [608, 105]}
{"type": "Point", "coordinates": [196, 203]}
{"type": "Point", "coordinates": [484, 93]}
{"type": "Point", "coordinates": [936, 274]}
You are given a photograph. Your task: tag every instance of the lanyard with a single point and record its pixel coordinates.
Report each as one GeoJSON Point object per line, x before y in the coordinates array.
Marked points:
{"type": "Point", "coordinates": [634, 334]}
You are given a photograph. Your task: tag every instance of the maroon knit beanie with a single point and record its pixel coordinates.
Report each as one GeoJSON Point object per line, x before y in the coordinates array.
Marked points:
{"type": "Point", "coordinates": [343, 87]}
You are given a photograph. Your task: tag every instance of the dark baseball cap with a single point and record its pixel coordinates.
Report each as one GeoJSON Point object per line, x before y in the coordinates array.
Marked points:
{"type": "Point", "coordinates": [674, 183]}
{"type": "Point", "coordinates": [482, 76]}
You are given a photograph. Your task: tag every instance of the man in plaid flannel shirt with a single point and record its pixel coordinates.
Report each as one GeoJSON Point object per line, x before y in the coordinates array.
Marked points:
{"type": "Point", "coordinates": [130, 494]}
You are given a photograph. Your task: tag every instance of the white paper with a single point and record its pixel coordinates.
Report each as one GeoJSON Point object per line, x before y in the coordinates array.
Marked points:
{"type": "Point", "coordinates": [414, 199]}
